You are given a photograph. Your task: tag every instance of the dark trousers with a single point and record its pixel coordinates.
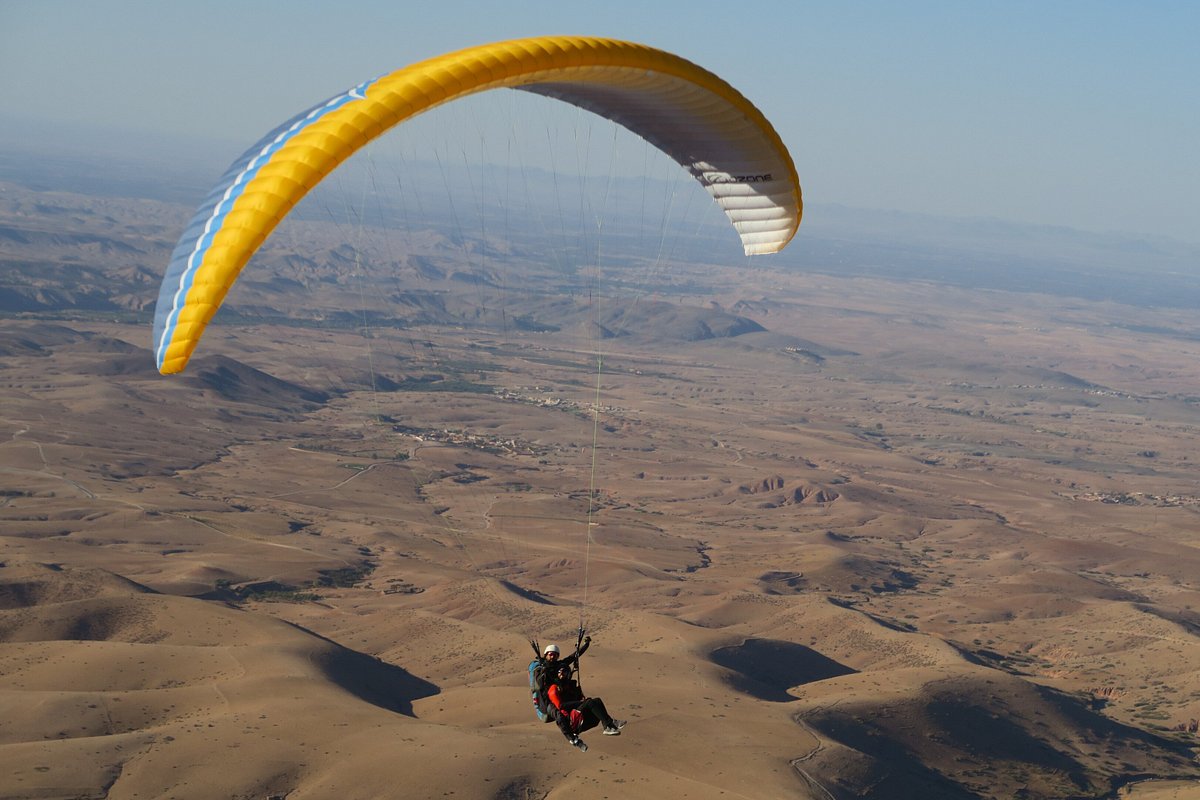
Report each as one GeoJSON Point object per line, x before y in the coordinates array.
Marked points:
{"type": "Point", "coordinates": [594, 713]}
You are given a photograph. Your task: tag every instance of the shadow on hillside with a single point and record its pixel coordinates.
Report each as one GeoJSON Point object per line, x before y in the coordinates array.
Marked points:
{"type": "Point", "coordinates": [883, 768]}
{"type": "Point", "coordinates": [987, 738]}
{"type": "Point", "coordinates": [374, 681]}
{"type": "Point", "coordinates": [766, 668]}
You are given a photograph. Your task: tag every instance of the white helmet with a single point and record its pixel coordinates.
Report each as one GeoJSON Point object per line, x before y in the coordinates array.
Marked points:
{"type": "Point", "coordinates": [551, 648]}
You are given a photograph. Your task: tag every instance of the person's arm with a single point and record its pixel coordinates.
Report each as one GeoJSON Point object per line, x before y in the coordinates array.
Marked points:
{"type": "Point", "coordinates": [574, 657]}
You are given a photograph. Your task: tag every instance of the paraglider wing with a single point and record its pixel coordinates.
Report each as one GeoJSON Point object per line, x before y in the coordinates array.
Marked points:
{"type": "Point", "coordinates": [693, 116]}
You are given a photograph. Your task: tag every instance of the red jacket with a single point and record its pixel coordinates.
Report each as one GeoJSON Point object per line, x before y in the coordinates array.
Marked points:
{"type": "Point", "coordinates": [565, 697]}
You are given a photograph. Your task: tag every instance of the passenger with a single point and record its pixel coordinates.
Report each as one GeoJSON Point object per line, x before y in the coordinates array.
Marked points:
{"type": "Point", "coordinates": [577, 713]}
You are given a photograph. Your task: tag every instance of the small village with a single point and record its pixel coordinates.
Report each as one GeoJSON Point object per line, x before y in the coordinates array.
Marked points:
{"type": "Point", "coordinates": [1141, 499]}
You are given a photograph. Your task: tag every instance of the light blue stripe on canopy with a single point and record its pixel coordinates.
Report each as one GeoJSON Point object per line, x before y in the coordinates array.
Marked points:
{"type": "Point", "coordinates": [198, 235]}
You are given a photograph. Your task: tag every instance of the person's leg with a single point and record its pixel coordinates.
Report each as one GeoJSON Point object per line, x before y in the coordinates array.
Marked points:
{"type": "Point", "coordinates": [594, 708]}
{"type": "Point", "coordinates": [611, 726]}
{"type": "Point", "coordinates": [563, 720]}
{"type": "Point", "coordinates": [590, 718]}
{"type": "Point", "coordinates": [597, 714]}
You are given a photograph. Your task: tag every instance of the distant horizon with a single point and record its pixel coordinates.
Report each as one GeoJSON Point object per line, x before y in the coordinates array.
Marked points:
{"type": "Point", "coordinates": [968, 252]}
{"type": "Point", "coordinates": [203, 158]}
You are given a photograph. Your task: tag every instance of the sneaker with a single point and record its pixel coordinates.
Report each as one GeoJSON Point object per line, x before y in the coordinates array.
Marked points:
{"type": "Point", "coordinates": [615, 728]}
{"type": "Point", "coordinates": [577, 742]}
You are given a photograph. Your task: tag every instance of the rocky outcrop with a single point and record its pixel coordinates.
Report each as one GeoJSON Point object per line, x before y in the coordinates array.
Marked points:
{"type": "Point", "coordinates": [779, 492]}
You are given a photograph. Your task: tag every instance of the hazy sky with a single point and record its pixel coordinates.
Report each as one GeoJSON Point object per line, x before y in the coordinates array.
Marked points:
{"type": "Point", "coordinates": [1083, 114]}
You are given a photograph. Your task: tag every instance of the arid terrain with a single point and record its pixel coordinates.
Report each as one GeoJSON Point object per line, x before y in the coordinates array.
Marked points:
{"type": "Point", "coordinates": [832, 536]}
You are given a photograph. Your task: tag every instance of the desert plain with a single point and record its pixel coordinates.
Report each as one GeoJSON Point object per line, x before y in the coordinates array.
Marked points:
{"type": "Point", "coordinates": [832, 535]}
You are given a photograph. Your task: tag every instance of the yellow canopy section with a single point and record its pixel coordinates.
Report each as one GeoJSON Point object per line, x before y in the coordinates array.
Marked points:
{"type": "Point", "coordinates": [693, 116]}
